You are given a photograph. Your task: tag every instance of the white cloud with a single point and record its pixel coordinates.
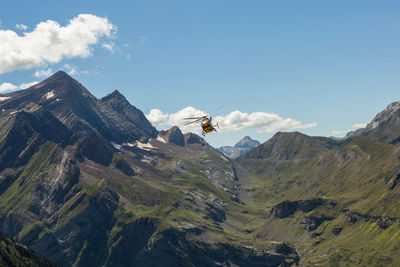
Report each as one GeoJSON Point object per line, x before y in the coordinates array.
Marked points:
{"type": "Point", "coordinates": [128, 57]}
{"type": "Point", "coordinates": [27, 85]}
{"type": "Point", "coordinates": [339, 133]}
{"type": "Point", "coordinates": [234, 121]}
{"type": "Point", "coordinates": [43, 73]}
{"type": "Point", "coordinates": [156, 116]}
{"type": "Point", "coordinates": [9, 87]}
{"type": "Point", "coordinates": [21, 27]}
{"type": "Point", "coordinates": [343, 132]}
{"type": "Point", "coordinates": [360, 125]}
{"type": "Point", "coordinates": [263, 122]}
{"type": "Point", "coordinates": [4, 87]}
{"type": "Point", "coordinates": [108, 46]}
{"type": "Point", "coordinates": [73, 70]}
{"type": "Point", "coordinates": [50, 42]}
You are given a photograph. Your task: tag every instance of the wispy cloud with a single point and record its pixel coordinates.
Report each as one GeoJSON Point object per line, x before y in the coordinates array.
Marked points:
{"type": "Point", "coordinates": [9, 87]}
{"type": "Point", "coordinates": [70, 69]}
{"type": "Point", "coordinates": [340, 133]}
{"type": "Point", "coordinates": [343, 132]}
{"type": "Point", "coordinates": [360, 125]}
{"type": "Point", "coordinates": [109, 46]}
{"type": "Point", "coordinates": [234, 121]}
{"type": "Point", "coordinates": [49, 42]}
{"type": "Point", "coordinates": [43, 73]}
{"type": "Point", "coordinates": [142, 38]}
{"type": "Point", "coordinates": [21, 27]}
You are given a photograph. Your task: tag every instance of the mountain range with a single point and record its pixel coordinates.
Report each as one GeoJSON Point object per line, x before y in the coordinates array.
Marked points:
{"type": "Point", "coordinates": [244, 145]}
{"type": "Point", "coordinates": [336, 200]}
{"type": "Point", "coordinates": [90, 182]}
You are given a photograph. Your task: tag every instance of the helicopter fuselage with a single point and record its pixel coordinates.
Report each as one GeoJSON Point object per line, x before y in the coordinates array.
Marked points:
{"type": "Point", "coordinates": [207, 126]}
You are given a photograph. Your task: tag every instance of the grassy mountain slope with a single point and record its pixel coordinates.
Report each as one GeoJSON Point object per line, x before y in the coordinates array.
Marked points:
{"type": "Point", "coordinates": [359, 175]}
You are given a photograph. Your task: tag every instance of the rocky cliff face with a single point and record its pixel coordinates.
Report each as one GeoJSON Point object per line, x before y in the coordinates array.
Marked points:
{"type": "Point", "coordinates": [130, 121]}
{"type": "Point", "coordinates": [173, 135]}
{"type": "Point", "coordinates": [22, 133]}
{"type": "Point", "coordinates": [196, 253]}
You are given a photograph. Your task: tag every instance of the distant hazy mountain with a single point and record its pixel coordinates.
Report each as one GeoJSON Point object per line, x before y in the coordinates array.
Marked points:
{"type": "Point", "coordinates": [244, 145]}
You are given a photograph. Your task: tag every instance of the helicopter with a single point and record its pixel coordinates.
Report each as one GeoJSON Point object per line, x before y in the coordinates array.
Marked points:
{"type": "Point", "coordinates": [206, 124]}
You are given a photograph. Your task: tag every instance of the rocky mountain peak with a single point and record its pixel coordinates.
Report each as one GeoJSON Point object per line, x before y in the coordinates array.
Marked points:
{"type": "Point", "coordinates": [390, 111]}
{"type": "Point", "coordinates": [60, 75]}
{"type": "Point", "coordinates": [111, 117]}
{"type": "Point", "coordinates": [58, 90]}
{"type": "Point", "coordinates": [173, 135]}
{"type": "Point", "coordinates": [61, 83]}
{"type": "Point", "coordinates": [244, 145]}
{"type": "Point", "coordinates": [385, 126]}
{"type": "Point", "coordinates": [126, 116]}
{"type": "Point", "coordinates": [115, 95]}
{"type": "Point", "coordinates": [247, 142]}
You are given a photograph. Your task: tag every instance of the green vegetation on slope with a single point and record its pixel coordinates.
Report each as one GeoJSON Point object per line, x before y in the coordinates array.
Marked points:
{"type": "Point", "coordinates": [15, 254]}
{"type": "Point", "coordinates": [360, 174]}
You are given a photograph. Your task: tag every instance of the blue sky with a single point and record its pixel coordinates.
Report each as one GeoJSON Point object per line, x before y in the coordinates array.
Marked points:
{"type": "Point", "coordinates": [321, 66]}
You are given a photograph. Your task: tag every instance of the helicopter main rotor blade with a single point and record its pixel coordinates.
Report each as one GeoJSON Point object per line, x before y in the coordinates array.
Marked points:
{"type": "Point", "coordinates": [195, 118]}
{"type": "Point", "coordinates": [193, 121]}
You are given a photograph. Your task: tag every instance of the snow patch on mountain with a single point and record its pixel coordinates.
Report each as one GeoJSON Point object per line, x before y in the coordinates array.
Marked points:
{"type": "Point", "coordinates": [116, 145]}
{"type": "Point", "coordinates": [49, 94]}
{"type": "Point", "coordinates": [161, 139]}
{"type": "Point", "coordinates": [143, 146]}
